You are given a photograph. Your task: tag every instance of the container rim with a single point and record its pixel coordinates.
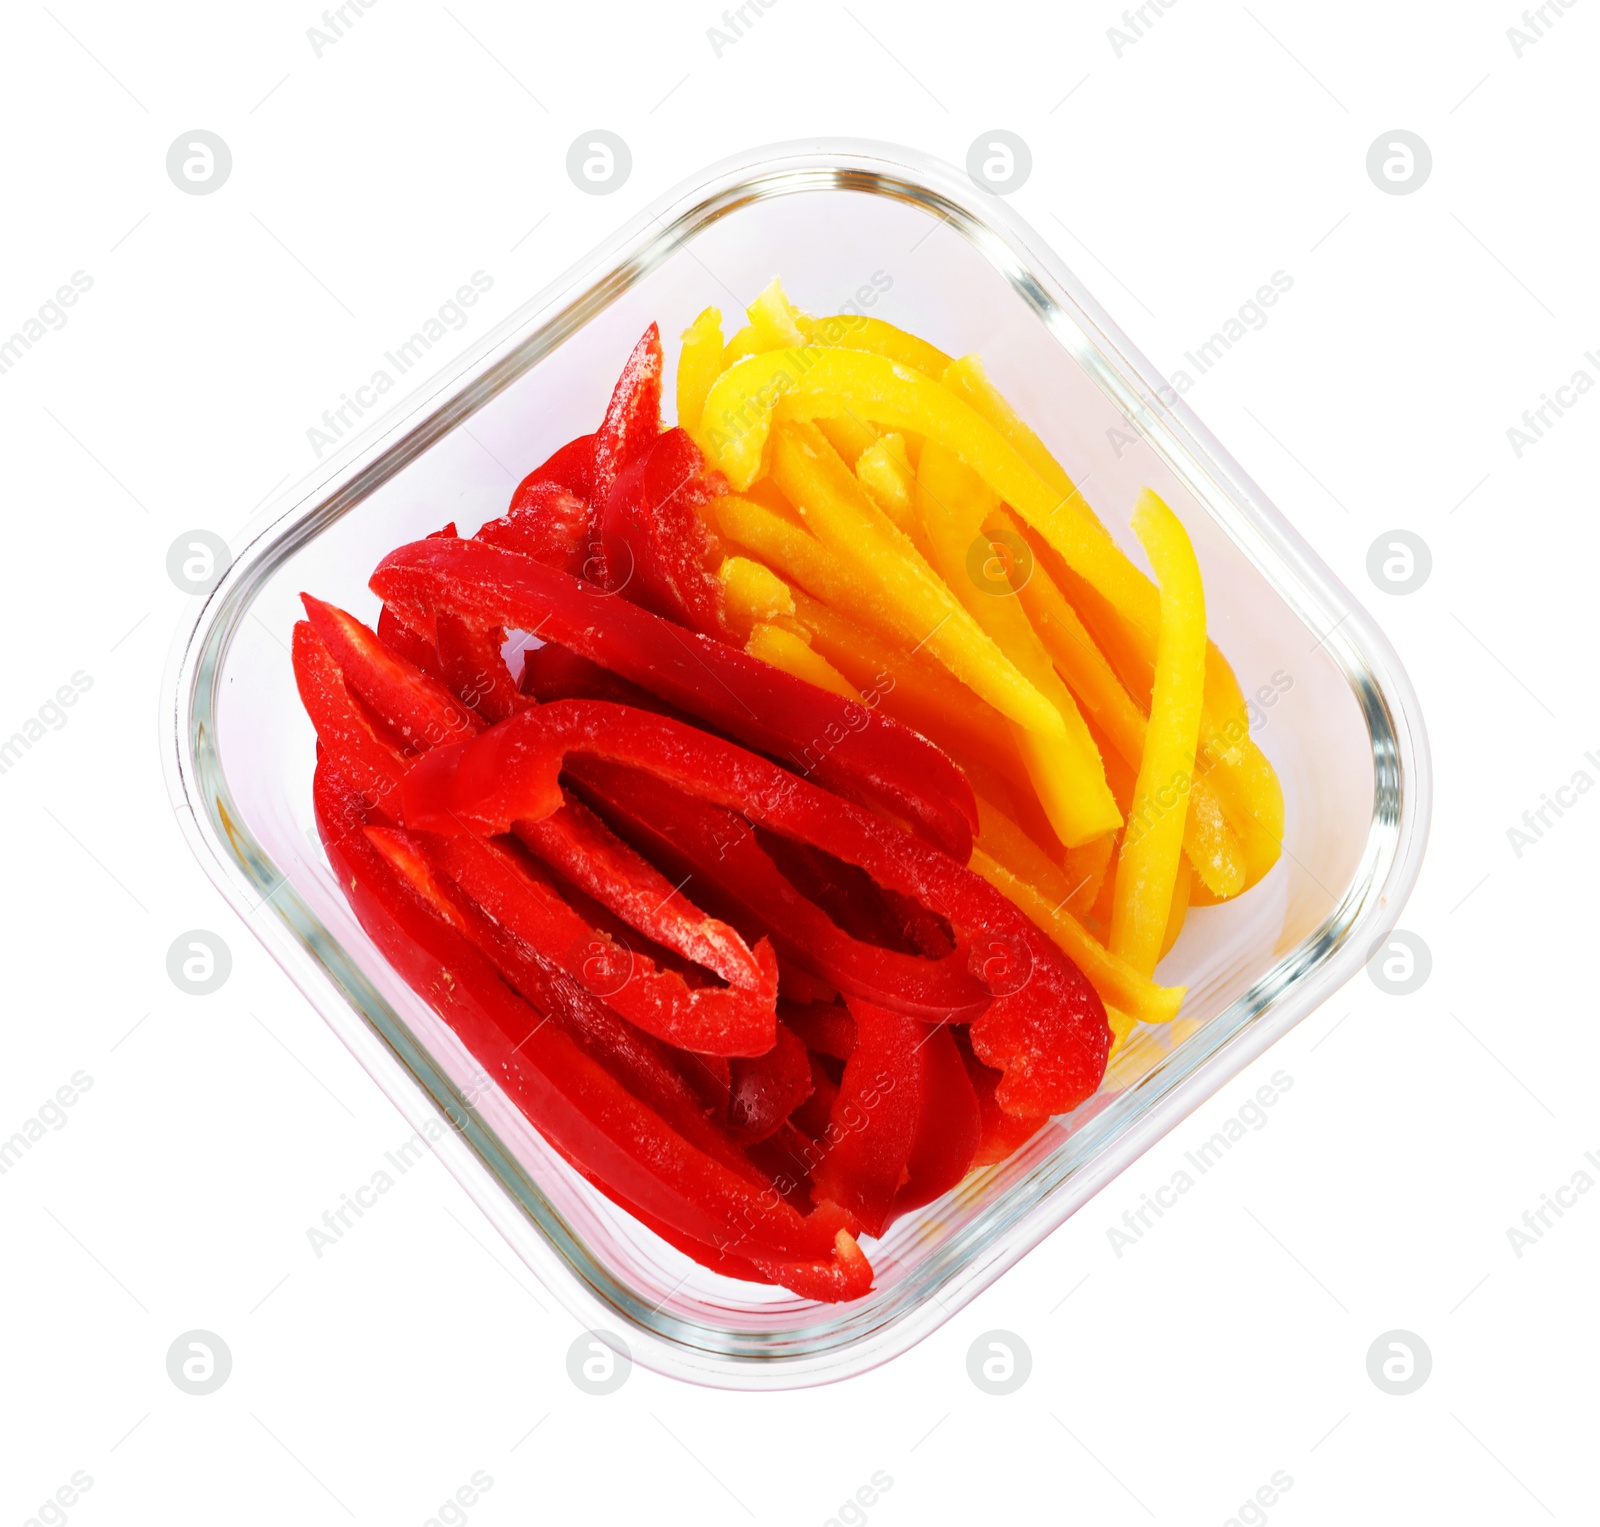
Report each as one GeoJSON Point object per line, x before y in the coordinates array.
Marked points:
{"type": "Point", "coordinates": [856, 1337]}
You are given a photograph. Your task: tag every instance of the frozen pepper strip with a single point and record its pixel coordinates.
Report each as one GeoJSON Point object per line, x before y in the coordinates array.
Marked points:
{"type": "Point", "coordinates": [1242, 775]}
{"type": "Point", "coordinates": [1147, 866]}
{"type": "Point", "coordinates": [734, 873]}
{"type": "Point", "coordinates": [1117, 982]}
{"type": "Point", "coordinates": [846, 747]}
{"type": "Point", "coordinates": [811, 475]}
{"type": "Point", "coordinates": [584, 1111]}
{"type": "Point", "coordinates": [813, 382]}
{"type": "Point", "coordinates": [875, 1116]}
{"type": "Point", "coordinates": [699, 365]}
{"type": "Point", "coordinates": [439, 870]}
{"type": "Point", "coordinates": [1064, 766]}
{"type": "Point", "coordinates": [1044, 1026]}
{"type": "Point", "coordinates": [572, 840]}
{"type": "Point", "coordinates": [712, 1020]}
{"type": "Point", "coordinates": [1211, 844]}
{"type": "Point", "coordinates": [343, 729]}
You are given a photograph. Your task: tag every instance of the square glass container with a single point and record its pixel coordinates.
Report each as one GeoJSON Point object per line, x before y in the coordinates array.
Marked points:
{"type": "Point", "coordinates": [852, 227]}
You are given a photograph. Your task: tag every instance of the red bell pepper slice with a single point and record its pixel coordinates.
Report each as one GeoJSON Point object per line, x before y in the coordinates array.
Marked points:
{"type": "Point", "coordinates": [826, 1027]}
{"type": "Point", "coordinates": [1045, 1026]}
{"type": "Point", "coordinates": [415, 707]}
{"type": "Point", "coordinates": [874, 1119]}
{"type": "Point", "coordinates": [811, 1117]}
{"type": "Point", "coordinates": [1000, 1133]}
{"type": "Point", "coordinates": [847, 747]}
{"type": "Point", "coordinates": [584, 1111]}
{"type": "Point", "coordinates": [736, 1021]}
{"type": "Point", "coordinates": [659, 552]}
{"type": "Point", "coordinates": [734, 875]}
{"type": "Point", "coordinates": [571, 467]}
{"type": "Point", "coordinates": [633, 416]}
{"type": "Point", "coordinates": [548, 522]}
{"type": "Point", "coordinates": [573, 840]}
{"type": "Point", "coordinates": [342, 727]}
{"type": "Point", "coordinates": [641, 1064]}
{"type": "Point", "coordinates": [474, 669]}
{"type": "Point", "coordinates": [765, 1089]}
{"type": "Point", "coordinates": [949, 1124]}
{"type": "Point", "coordinates": [708, 1019]}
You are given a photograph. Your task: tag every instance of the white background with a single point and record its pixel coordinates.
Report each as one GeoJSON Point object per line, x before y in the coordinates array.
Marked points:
{"type": "Point", "coordinates": [1231, 1343]}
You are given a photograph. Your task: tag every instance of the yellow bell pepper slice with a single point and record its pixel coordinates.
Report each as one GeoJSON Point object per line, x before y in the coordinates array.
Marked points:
{"type": "Point", "coordinates": [1118, 983]}
{"type": "Point", "coordinates": [1178, 913]}
{"type": "Point", "coordinates": [1212, 846]}
{"type": "Point", "coordinates": [699, 365]}
{"type": "Point", "coordinates": [1066, 770]}
{"type": "Point", "coordinates": [1147, 867]}
{"type": "Point", "coordinates": [813, 478]}
{"type": "Point", "coordinates": [911, 690]}
{"type": "Point", "coordinates": [752, 594]}
{"type": "Point", "coordinates": [856, 331]}
{"type": "Point", "coordinates": [1242, 777]}
{"type": "Point", "coordinates": [887, 474]}
{"type": "Point", "coordinates": [783, 649]}
{"type": "Point", "coordinates": [745, 342]}
{"type": "Point", "coordinates": [1004, 840]}
{"type": "Point", "coordinates": [849, 436]}
{"type": "Point", "coordinates": [775, 319]}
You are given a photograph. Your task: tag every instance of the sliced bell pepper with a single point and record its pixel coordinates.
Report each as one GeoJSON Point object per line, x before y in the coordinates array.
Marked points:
{"type": "Point", "coordinates": [794, 655]}
{"type": "Point", "coordinates": [1147, 866]}
{"type": "Point", "coordinates": [814, 478]}
{"type": "Point", "coordinates": [547, 521]}
{"type": "Point", "coordinates": [1044, 1024]}
{"type": "Point", "coordinates": [658, 551]}
{"type": "Point", "coordinates": [858, 331]}
{"type": "Point", "coordinates": [641, 1064]}
{"type": "Point", "coordinates": [735, 876]}
{"type": "Point", "coordinates": [1211, 844]}
{"type": "Point", "coordinates": [949, 1123]}
{"type": "Point", "coordinates": [633, 416]}
{"type": "Point", "coordinates": [765, 1089]}
{"type": "Point", "coordinates": [1117, 981]}
{"type": "Point", "coordinates": [752, 595]}
{"type": "Point", "coordinates": [584, 1111]}
{"type": "Point", "coordinates": [1064, 765]}
{"type": "Point", "coordinates": [699, 365]}
{"type": "Point", "coordinates": [826, 1027]}
{"type": "Point", "coordinates": [812, 382]}
{"type": "Point", "coordinates": [414, 706]}
{"type": "Point", "coordinates": [845, 747]}
{"type": "Point", "coordinates": [1000, 1133]}
{"type": "Point", "coordinates": [874, 1118]}
{"type": "Point", "coordinates": [342, 727]}
{"type": "Point", "coordinates": [732, 1020]}
{"type": "Point", "coordinates": [574, 841]}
